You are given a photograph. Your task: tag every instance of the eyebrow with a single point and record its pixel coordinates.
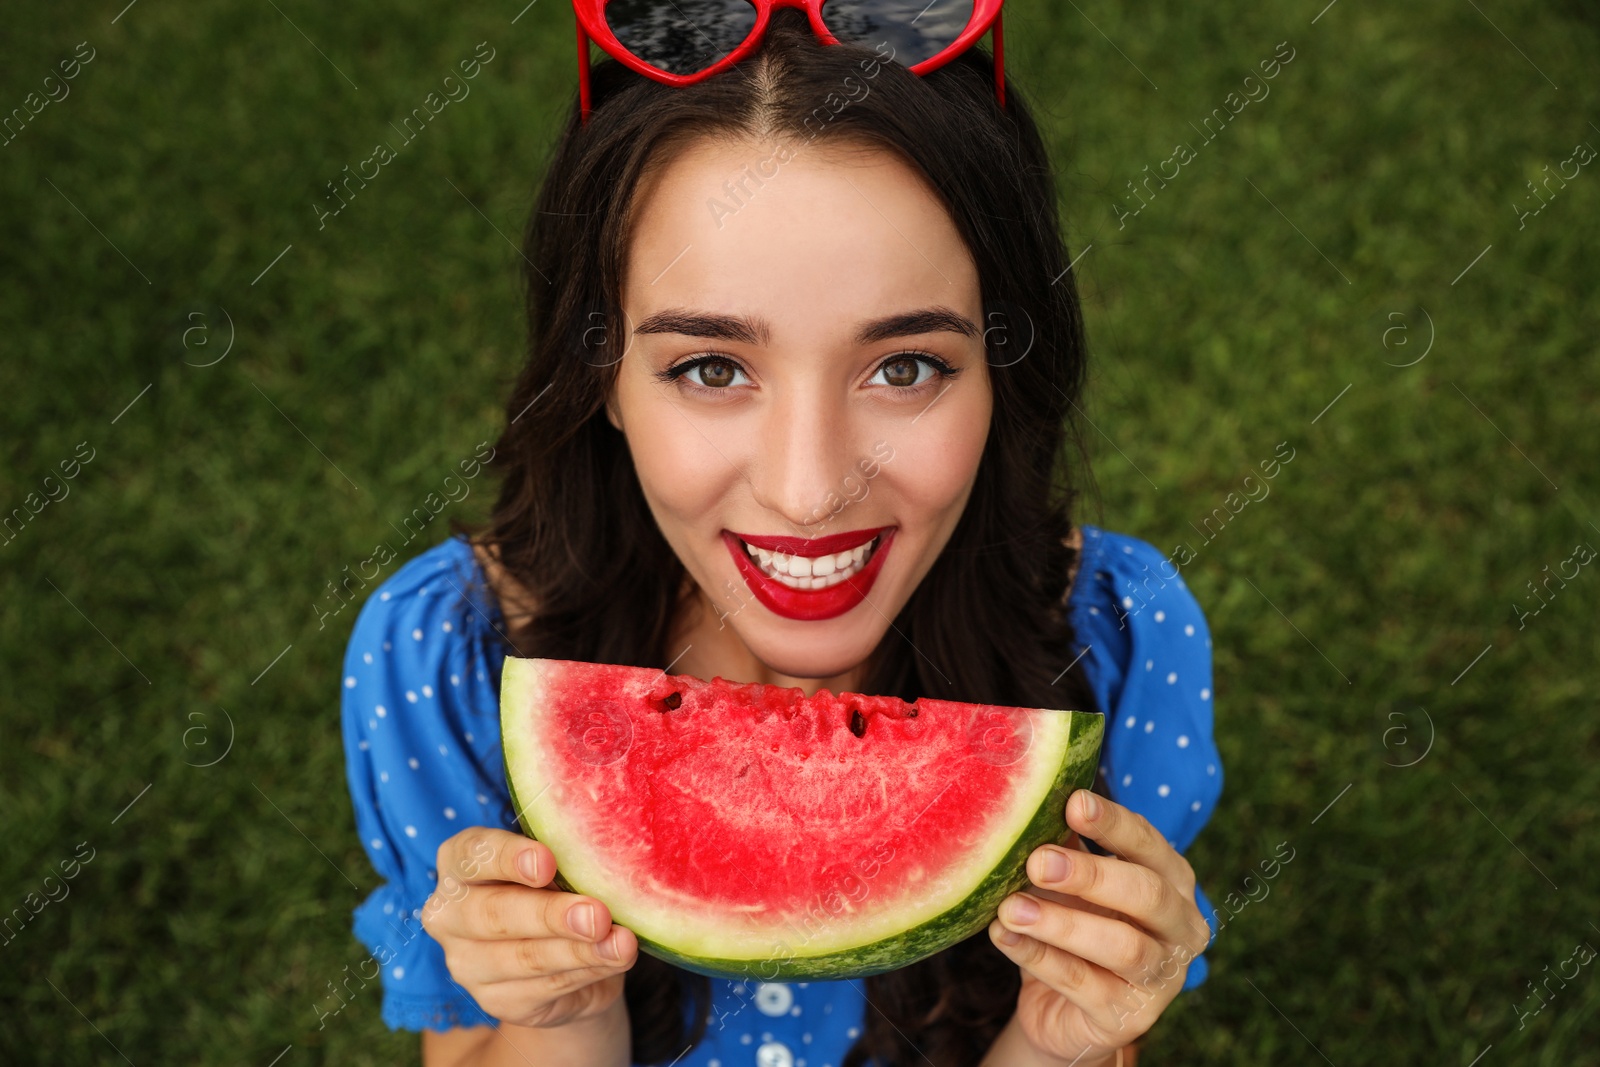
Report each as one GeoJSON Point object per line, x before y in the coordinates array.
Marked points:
{"type": "Point", "coordinates": [739, 328]}
{"type": "Point", "coordinates": [939, 319]}
{"type": "Point", "coordinates": [707, 324]}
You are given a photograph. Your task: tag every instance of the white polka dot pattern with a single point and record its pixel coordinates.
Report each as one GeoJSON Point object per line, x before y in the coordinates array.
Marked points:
{"type": "Point", "coordinates": [1151, 676]}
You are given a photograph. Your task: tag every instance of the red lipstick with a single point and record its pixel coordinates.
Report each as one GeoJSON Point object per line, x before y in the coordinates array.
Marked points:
{"type": "Point", "coordinates": [809, 605]}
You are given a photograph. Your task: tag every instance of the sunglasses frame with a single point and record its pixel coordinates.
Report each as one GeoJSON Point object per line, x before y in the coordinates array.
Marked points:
{"type": "Point", "coordinates": [592, 26]}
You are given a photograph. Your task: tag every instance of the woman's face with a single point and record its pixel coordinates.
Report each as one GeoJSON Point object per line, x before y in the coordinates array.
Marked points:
{"type": "Point", "coordinates": [804, 392]}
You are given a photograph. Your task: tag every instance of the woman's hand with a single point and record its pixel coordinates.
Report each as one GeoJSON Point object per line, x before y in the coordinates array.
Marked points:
{"type": "Point", "coordinates": [528, 955]}
{"type": "Point", "coordinates": [1104, 942]}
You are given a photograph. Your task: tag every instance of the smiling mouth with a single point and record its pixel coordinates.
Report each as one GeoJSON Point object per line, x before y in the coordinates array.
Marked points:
{"type": "Point", "coordinates": [811, 578]}
{"type": "Point", "coordinates": [812, 572]}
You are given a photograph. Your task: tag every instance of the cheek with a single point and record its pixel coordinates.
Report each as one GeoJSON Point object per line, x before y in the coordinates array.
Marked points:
{"type": "Point", "coordinates": [934, 466]}
{"type": "Point", "coordinates": [681, 474]}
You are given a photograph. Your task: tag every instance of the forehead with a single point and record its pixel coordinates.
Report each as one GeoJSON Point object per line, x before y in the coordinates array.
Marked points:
{"type": "Point", "coordinates": [790, 232]}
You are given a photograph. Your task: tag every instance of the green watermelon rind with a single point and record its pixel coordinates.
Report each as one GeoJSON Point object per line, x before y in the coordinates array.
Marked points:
{"type": "Point", "coordinates": [974, 913]}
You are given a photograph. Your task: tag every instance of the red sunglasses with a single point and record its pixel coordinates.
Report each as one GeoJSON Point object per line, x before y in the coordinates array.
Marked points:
{"type": "Point", "coordinates": [658, 39]}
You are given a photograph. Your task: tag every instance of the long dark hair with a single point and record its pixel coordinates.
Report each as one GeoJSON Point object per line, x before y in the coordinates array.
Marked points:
{"type": "Point", "coordinates": [571, 526]}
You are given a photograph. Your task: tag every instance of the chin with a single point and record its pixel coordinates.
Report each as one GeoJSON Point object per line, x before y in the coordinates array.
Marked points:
{"type": "Point", "coordinates": [810, 649]}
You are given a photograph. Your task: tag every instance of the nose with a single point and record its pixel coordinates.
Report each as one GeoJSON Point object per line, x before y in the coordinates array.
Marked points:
{"type": "Point", "coordinates": [803, 457]}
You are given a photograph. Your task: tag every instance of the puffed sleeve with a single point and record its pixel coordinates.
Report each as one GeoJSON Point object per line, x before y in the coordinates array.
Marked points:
{"type": "Point", "coordinates": [1149, 662]}
{"type": "Point", "coordinates": [421, 738]}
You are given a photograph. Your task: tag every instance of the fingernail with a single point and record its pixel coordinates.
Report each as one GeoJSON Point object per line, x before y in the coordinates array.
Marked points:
{"type": "Point", "coordinates": [528, 865]}
{"type": "Point", "coordinates": [1055, 865]}
{"type": "Point", "coordinates": [582, 919]}
{"type": "Point", "coordinates": [1010, 938]}
{"type": "Point", "coordinates": [1091, 806]}
{"type": "Point", "coordinates": [608, 948]}
{"type": "Point", "coordinates": [1022, 910]}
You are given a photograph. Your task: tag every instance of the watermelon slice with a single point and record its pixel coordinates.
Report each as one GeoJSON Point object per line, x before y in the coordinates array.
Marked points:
{"type": "Point", "coordinates": [751, 832]}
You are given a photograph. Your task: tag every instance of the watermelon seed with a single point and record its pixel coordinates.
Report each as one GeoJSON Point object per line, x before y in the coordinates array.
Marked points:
{"type": "Point", "coordinates": [858, 723]}
{"type": "Point", "coordinates": [912, 714]}
{"type": "Point", "coordinates": [673, 701]}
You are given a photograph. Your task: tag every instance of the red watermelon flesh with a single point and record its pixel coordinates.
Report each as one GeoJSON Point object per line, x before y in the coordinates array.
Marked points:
{"type": "Point", "coordinates": [749, 831]}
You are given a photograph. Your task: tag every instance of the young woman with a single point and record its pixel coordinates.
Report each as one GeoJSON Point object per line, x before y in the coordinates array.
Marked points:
{"type": "Point", "coordinates": [805, 357]}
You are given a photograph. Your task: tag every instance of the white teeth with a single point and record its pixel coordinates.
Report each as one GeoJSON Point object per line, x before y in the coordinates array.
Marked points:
{"type": "Point", "coordinates": [812, 572]}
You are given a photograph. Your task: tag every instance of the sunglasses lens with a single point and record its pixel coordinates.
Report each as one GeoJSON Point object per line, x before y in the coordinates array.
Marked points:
{"type": "Point", "coordinates": [681, 36]}
{"type": "Point", "coordinates": [915, 29]}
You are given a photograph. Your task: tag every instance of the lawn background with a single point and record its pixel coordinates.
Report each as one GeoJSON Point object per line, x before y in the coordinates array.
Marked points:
{"type": "Point", "coordinates": [1262, 285]}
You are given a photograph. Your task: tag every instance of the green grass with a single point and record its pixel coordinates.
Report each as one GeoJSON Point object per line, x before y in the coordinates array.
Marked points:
{"type": "Point", "coordinates": [1387, 557]}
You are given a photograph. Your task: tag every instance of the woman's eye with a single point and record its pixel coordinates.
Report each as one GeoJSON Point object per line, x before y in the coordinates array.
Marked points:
{"type": "Point", "coordinates": [715, 374]}
{"type": "Point", "coordinates": [902, 372]}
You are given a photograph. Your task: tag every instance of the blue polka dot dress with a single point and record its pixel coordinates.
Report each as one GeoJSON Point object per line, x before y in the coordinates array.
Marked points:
{"type": "Point", "coordinates": [422, 742]}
